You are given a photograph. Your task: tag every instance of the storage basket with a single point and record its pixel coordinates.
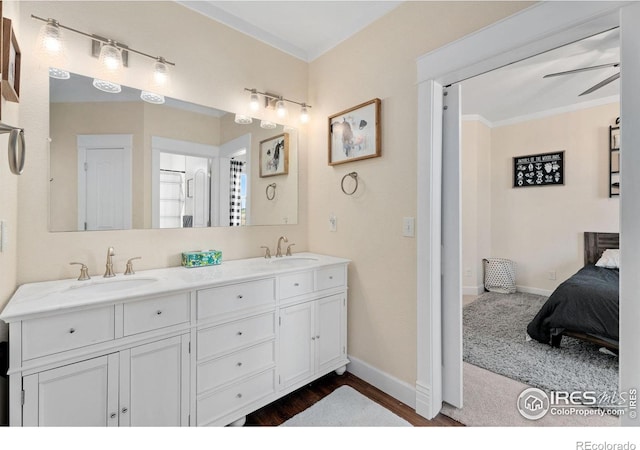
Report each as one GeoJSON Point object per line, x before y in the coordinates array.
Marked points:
{"type": "Point", "coordinates": [499, 275]}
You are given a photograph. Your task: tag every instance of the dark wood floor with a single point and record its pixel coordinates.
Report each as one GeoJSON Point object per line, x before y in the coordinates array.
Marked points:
{"type": "Point", "coordinates": [288, 406]}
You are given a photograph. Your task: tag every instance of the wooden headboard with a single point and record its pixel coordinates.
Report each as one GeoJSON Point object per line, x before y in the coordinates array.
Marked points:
{"type": "Point", "coordinates": [596, 243]}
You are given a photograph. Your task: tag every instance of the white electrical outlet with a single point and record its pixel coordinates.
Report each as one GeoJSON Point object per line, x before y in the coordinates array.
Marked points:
{"type": "Point", "coordinates": [408, 227]}
{"type": "Point", "coordinates": [333, 223]}
{"type": "Point", "coordinates": [552, 275]}
{"type": "Point", "coordinates": [467, 272]}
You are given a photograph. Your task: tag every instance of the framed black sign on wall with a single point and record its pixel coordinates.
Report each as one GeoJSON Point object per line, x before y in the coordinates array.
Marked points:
{"type": "Point", "coordinates": [538, 170]}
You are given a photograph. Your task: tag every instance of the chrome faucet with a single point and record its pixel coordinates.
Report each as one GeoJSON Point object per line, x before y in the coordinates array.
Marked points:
{"type": "Point", "coordinates": [108, 273]}
{"type": "Point", "coordinates": [279, 249]}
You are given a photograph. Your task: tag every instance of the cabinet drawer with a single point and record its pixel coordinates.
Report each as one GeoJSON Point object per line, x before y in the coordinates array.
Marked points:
{"type": "Point", "coordinates": [296, 284]}
{"type": "Point", "coordinates": [330, 277]}
{"type": "Point", "coordinates": [235, 297]}
{"type": "Point", "coordinates": [235, 397]}
{"type": "Point", "coordinates": [215, 373]}
{"type": "Point", "coordinates": [147, 315]}
{"type": "Point", "coordinates": [216, 340]}
{"type": "Point", "coordinates": [62, 332]}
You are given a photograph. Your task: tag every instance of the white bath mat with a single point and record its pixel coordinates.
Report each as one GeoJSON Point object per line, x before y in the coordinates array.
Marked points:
{"type": "Point", "coordinates": [346, 407]}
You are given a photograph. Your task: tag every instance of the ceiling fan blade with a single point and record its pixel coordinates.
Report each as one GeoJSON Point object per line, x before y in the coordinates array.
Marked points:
{"type": "Point", "coordinates": [583, 69]}
{"type": "Point", "coordinates": [601, 84]}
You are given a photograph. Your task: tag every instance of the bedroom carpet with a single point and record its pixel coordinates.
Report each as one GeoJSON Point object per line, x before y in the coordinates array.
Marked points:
{"type": "Point", "coordinates": [495, 339]}
{"type": "Point", "coordinates": [346, 407]}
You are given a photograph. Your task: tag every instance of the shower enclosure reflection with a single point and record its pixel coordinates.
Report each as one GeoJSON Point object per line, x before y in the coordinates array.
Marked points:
{"type": "Point", "coordinates": [117, 162]}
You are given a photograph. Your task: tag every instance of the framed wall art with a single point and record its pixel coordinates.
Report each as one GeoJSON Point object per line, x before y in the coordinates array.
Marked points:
{"type": "Point", "coordinates": [274, 156]}
{"type": "Point", "coordinates": [10, 63]}
{"type": "Point", "coordinates": [354, 134]}
{"type": "Point", "coordinates": [544, 169]}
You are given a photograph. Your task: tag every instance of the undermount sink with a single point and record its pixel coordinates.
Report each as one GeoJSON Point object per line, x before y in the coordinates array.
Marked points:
{"type": "Point", "coordinates": [103, 287]}
{"type": "Point", "coordinates": [292, 260]}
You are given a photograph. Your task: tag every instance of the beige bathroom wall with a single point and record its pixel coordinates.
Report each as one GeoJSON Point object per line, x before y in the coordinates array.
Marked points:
{"type": "Point", "coordinates": [476, 203]}
{"type": "Point", "coordinates": [541, 228]}
{"type": "Point", "coordinates": [213, 66]}
{"type": "Point", "coordinates": [379, 62]}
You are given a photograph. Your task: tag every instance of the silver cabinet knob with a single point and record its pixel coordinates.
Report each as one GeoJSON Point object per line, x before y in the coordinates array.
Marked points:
{"type": "Point", "coordinates": [158, 312]}
{"type": "Point", "coordinates": [318, 337]}
{"type": "Point", "coordinates": [296, 284]}
{"type": "Point", "coordinates": [239, 364]}
{"type": "Point", "coordinates": [239, 333]}
{"type": "Point", "coordinates": [113, 415]}
{"type": "Point", "coordinates": [124, 410]}
{"type": "Point", "coordinates": [331, 277]}
{"type": "Point", "coordinates": [240, 296]}
{"type": "Point", "coordinates": [239, 395]}
{"type": "Point", "coordinates": [72, 330]}
{"type": "Point", "coordinates": [313, 338]}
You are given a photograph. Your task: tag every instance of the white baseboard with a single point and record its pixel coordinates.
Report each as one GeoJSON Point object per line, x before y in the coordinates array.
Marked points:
{"type": "Point", "coordinates": [472, 290]}
{"type": "Point", "coordinates": [388, 384]}
{"type": "Point", "coordinates": [532, 290]}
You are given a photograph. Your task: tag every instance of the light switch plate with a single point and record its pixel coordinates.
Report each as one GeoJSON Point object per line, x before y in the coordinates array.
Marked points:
{"type": "Point", "coordinates": [3, 236]}
{"type": "Point", "coordinates": [408, 226]}
{"type": "Point", "coordinates": [333, 223]}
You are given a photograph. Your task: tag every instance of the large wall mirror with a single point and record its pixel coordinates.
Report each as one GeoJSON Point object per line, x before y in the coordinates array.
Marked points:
{"type": "Point", "coordinates": [118, 162]}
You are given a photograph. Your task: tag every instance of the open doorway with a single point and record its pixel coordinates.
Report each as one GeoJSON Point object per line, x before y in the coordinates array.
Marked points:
{"type": "Point", "coordinates": [537, 219]}
{"type": "Point", "coordinates": [540, 28]}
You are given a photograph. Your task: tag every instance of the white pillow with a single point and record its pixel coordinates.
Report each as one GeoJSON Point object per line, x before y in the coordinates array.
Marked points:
{"type": "Point", "coordinates": [610, 259]}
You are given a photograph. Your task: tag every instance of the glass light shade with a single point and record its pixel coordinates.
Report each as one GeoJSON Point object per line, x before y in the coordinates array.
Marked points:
{"type": "Point", "coordinates": [254, 101]}
{"type": "Point", "coordinates": [150, 97]}
{"type": "Point", "coordinates": [242, 119]}
{"type": "Point", "coordinates": [281, 108]}
{"type": "Point", "coordinates": [110, 57]}
{"type": "Point", "coordinates": [304, 114]}
{"type": "Point", "coordinates": [267, 125]}
{"type": "Point", "coordinates": [50, 38]}
{"type": "Point", "coordinates": [160, 72]}
{"type": "Point", "coordinates": [59, 74]}
{"type": "Point", "coordinates": [106, 86]}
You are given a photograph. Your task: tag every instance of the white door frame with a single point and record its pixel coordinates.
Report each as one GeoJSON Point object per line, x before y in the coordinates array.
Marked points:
{"type": "Point", "coordinates": [94, 141]}
{"type": "Point", "coordinates": [161, 144]}
{"type": "Point", "coordinates": [537, 29]}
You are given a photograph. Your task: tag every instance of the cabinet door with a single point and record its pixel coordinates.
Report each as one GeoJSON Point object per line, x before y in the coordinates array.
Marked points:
{"type": "Point", "coordinates": [80, 394]}
{"type": "Point", "coordinates": [330, 335]}
{"type": "Point", "coordinates": [154, 384]}
{"type": "Point", "coordinates": [297, 340]}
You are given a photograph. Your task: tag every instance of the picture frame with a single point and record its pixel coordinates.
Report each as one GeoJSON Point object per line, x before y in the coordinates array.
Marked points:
{"type": "Point", "coordinates": [354, 134]}
{"type": "Point", "coordinates": [274, 156]}
{"type": "Point", "coordinates": [11, 57]}
{"type": "Point", "coordinates": [544, 169]}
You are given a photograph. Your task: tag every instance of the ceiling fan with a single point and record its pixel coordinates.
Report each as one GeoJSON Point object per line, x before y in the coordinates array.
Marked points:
{"type": "Point", "coordinates": [584, 69]}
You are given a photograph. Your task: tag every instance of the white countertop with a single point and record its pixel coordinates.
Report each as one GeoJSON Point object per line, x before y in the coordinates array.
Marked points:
{"type": "Point", "coordinates": [49, 296]}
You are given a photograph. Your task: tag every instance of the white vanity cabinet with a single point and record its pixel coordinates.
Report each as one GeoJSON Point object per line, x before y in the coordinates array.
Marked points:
{"type": "Point", "coordinates": [191, 347]}
{"type": "Point", "coordinates": [146, 385]}
{"type": "Point", "coordinates": [312, 339]}
{"type": "Point", "coordinates": [80, 394]}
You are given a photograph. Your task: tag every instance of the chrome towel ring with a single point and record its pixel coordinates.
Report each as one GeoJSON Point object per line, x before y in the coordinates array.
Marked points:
{"type": "Point", "coordinates": [16, 148]}
{"type": "Point", "coordinates": [271, 187]}
{"type": "Point", "coordinates": [353, 175]}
